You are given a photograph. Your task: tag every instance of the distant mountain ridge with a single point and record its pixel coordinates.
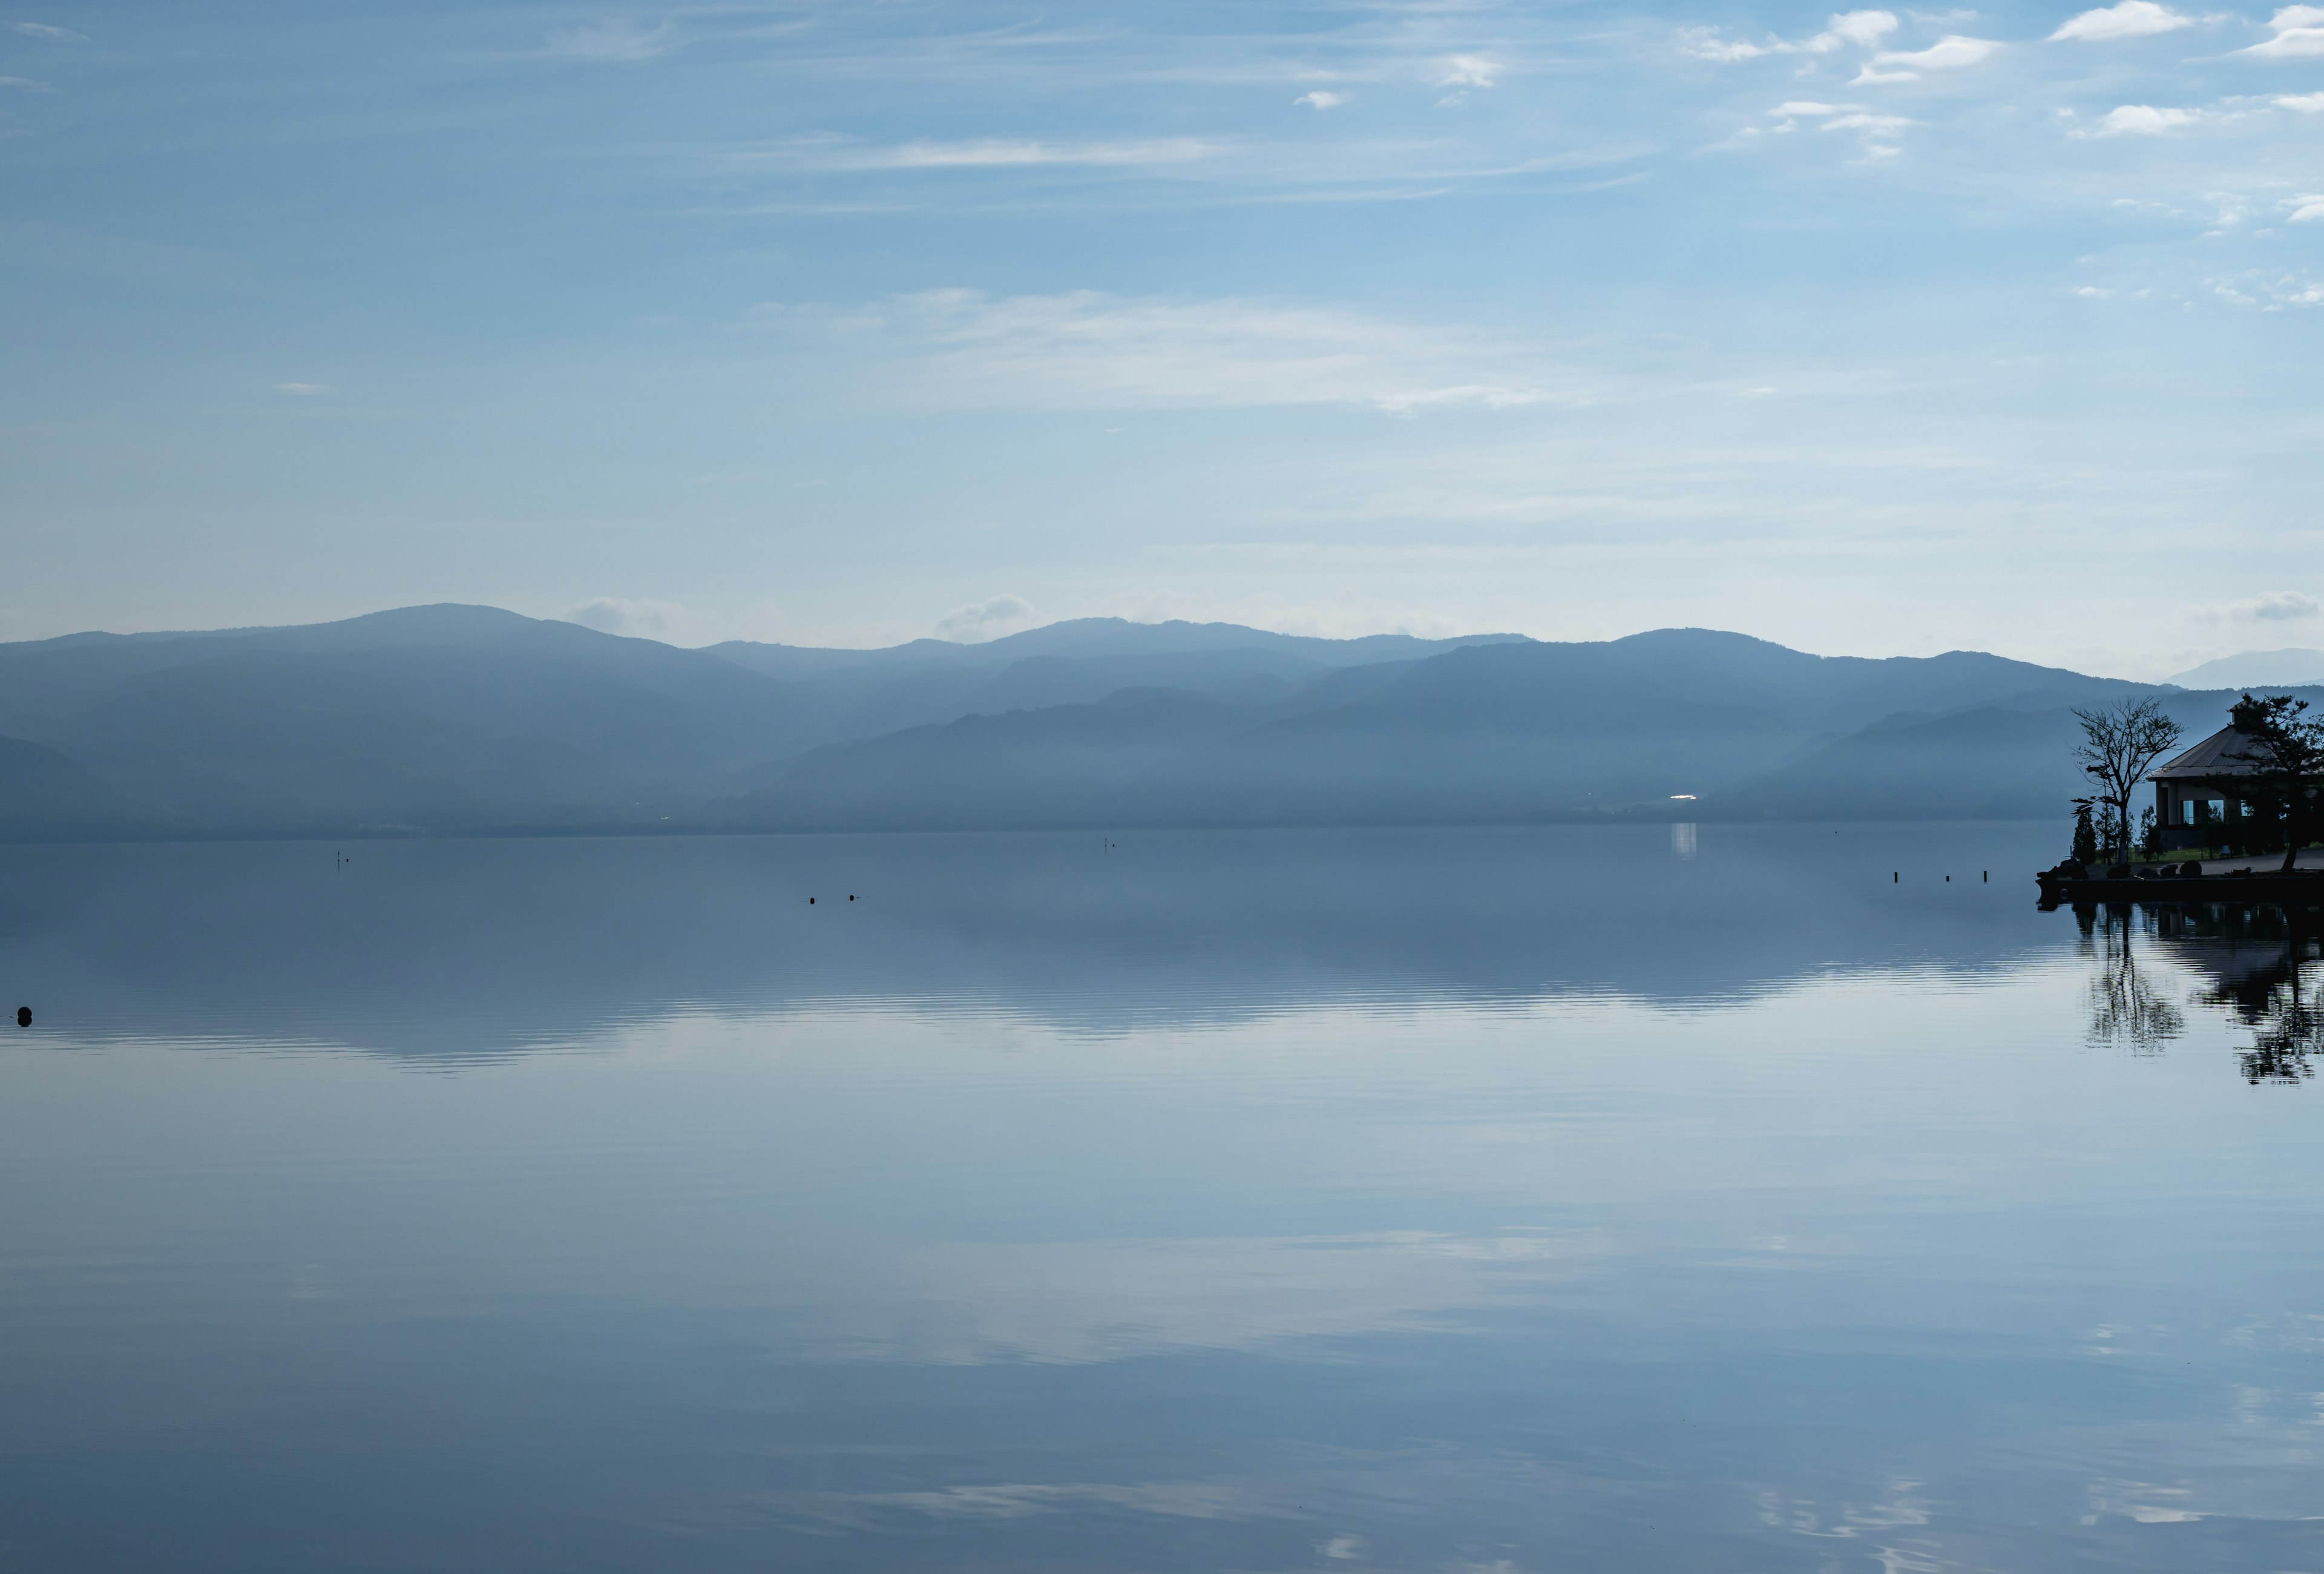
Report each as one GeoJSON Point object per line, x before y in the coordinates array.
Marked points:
{"type": "Point", "coordinates": [2257, 670]}
{"type": "Point", "coordinates": [462, 720]}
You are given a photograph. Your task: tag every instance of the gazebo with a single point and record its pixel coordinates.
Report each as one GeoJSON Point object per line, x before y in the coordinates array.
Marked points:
{"type": "Point", "coordinates": [2193, 806]}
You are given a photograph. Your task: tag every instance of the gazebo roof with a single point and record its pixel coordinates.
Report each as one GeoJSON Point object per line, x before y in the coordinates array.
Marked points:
{"type": "Point", "coordinates": [2214, 756]}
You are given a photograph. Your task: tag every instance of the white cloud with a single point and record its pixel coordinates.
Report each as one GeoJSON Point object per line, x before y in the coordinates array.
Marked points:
{"type": "Point", "coordinates": [54, 34]}
{"type": "Point", "coordinates": [1320, 99]}
{"type": "Point", "coordinates": [1949, 54]}
{"type": "Point", "coordinates": [1705, 44]}
{"type": "Point", "coordinates": [2268, 293]}
{"type": "Point", "coordinates": [994, 154]}
{"type": "Point", "coordinates": [2306, 208]}
{"type": "Point", "coordinates": [960, 348]}
{"type": "Point", "coordinates": [301, 388]}
{"type": "Point", "coordinates": [2274, 607]}
{"type": "Point", "coordinates": [2299, 34]}
{"type": "Point", "coordinates": [984, 620]}
{"type": "Point", "coordinates": [613, 41]}
{"type": "Point", "coordinates": [26, 84]}
{"type": "Point", "coordinates": [2305, 103]}
{"type": "Point", "coordinates": [2143, 120]}
{"type": "Point", "coordinates": [1467, 72]}
{"type": "Point", "coordinates": [657, 620]}
{"type": "Point", "coordinates": [1861, 29]}
{"type": "Point", "coordinates": [2092, 292]}
{"type": "Point", "coordinates": [1843, 117]}
{"type": "Point", "coordinates": [2130, 19]}
{"type": "Point", "coordinates": [1869, 125]}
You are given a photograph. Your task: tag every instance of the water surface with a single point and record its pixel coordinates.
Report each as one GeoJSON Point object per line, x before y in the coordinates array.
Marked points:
{"type": "Point", "coordinates": [1755, 1199]}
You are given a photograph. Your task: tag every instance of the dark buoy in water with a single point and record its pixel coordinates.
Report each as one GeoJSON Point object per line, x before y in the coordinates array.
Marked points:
{"type": "Point", "coordinates": [1949, 879]}
{"type": "Point", "coordinates": [851, 896]}
{"type": "Point", "coordinates": [810, 901]}
{"type": "Point", "coordinates": [23, 1016]}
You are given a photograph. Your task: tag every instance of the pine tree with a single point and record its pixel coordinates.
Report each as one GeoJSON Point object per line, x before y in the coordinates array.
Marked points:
{"type": "Point", "coordinates": [2086, 835]}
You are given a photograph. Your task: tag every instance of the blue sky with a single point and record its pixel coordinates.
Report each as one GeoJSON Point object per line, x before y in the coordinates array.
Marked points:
{"type": "Point", "coordinates": [1883, 332]}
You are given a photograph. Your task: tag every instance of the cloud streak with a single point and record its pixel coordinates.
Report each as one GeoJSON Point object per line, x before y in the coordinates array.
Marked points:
{"type": "Point", "coordinates": [614, 42]}
{"type": "Point", "coordinates": [1086, 350]}
{"type": "Point", "coordinates": [1951, 52]}
{"type": "Point", "coordinates": [995, 153]}
{"type": "Point", "coordinates": [2298, 32]}
{"type": "Point", "coordinates": [1847, 28]}
{"type": "Point", "coordinates": [2272, 607]}
{"type": "Point", "coordinates": [2130, 19]}
{"type": "Point", "coordinates": [984, 620]}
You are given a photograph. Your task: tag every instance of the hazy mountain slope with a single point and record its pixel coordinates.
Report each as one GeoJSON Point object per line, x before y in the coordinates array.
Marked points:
{"type": "Point", "coordinates": [1983, 763]}
{"type": "Point", "coordinates": [448, 719]}
{"type": "Point", "coordinates": [1496, 732]}
{"type": "Point", "coordinates": [1988, 762]}
{"type": "Point", "coordinates": [432, 718]}
{"type": "Point", "coordinates": [42, 793]}
{"type": "Point", "coordinates": [2257, 668]}
{"type": "Point", "coordinates": [1093, 636]}
{"type": "Point", "coordinates": [1818, 693]}
{"type": "Point", "coordinates": [1066, 765]}
{"type": "Point", "coordinates": [862, 694]}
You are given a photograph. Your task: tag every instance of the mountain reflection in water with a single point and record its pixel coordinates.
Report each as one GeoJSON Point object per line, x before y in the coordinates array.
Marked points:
{"type": "Point", "coordinates": [461, 948]}
{"type": "Point", "coordinates": [1478, 1202]}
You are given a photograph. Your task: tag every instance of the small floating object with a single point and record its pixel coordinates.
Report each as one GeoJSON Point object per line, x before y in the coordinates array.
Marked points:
{"type": "Point", "coordinates": [851, 896]}
{"type": "Point", "coordinates": [23, 1016]}
{"type": "Point", "coordinates": [810, 901]}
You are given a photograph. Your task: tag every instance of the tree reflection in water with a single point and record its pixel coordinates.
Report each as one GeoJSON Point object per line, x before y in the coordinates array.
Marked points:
{"type": "Point", "coordinates": [2259, 960]}
{"type": "Point", "coordinates": [2127, 1011]}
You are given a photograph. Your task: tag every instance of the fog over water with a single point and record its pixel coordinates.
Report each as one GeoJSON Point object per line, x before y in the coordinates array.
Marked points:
{"type": "Point", "coordinates": [1531, 1200]}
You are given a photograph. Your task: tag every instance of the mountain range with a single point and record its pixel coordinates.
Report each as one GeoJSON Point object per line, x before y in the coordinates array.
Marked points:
{"type": "Point", "coordinates": [467, 720]}
{"type": "Point", "coordinates": [2256, 668]}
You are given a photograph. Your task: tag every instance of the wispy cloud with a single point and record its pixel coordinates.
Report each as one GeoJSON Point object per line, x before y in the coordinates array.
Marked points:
{"type": "Point", "coordinates": [2268, 291]}
{"type": "Point", "coordinates": [25, 84]}
{"type": "Point", "coordinates": [2306, 208]}
{"type": "Point", "coordinates": [2305, 103]}
{"type": "Point", "coordinates": [992, 154]}
{"type": "Point", "coordinates": [2130, 19]}
{"type": "Point", "coordinates": [1320, 99]}
{"type": "Point", "coordinates": [667, 621]}
{"type": "Point", "coordinates": [1084, 350]}
{"type": "Point", "coordinates": [1949, 54]}
{"type": "Point", "coordinates": [1854, 117]}
{"type": "Point", "coordinates": [2272, 607]}
{"type": "Point", "coordinates": [2143, 120]}
{"type": "Point", "coordinates": [1467, 72]}
{"type": "Point", "coordinates": [614, 40]}
{"type": "Point", "coordinates": [304, 390]}
{"type": "Point", "coordinates": [1858, 29]}
{"type": "Point", "coordinates": [1870, 125]}
{"type": "Point", "coordinates": [44, 30]}
{"type": "Point", "coordinates": [984, 620]}
{"type": "Point", "coordinates": [1863, 29]}
{"type": "Point", "coordinates": [2298, 32]}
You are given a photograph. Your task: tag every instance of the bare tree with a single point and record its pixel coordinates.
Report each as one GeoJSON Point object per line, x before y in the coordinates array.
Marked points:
{"type": "Point", "coordinates": [2120, 743]}
{"type": "Point", "coordinates": [2285, 758]}
{"type": "Point", "coordinates": [2127, 1009]}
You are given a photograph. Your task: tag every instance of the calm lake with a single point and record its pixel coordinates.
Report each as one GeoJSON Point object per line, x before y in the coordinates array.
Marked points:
{"type": "Point", "coordinates": [1497, 1200]}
